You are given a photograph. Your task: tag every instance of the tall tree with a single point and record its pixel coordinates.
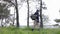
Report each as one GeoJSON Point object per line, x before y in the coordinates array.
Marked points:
{"type": "Point", "coordinates": [4, 12]}
{"type": "Point", "coordinates": [41, 23]}
{"type": "Point", "coordinates": [28, 14]}
{"type": "Point", "coordinates": [41, 6]}
{"type": "Point", "coordinates": [17, 17]}
{"type": "Point", "coordinates": [16, 7]}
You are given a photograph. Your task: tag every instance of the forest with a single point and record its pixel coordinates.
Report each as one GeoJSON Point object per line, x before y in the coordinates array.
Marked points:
{"type": "Point", "coordinates": [28, 17]}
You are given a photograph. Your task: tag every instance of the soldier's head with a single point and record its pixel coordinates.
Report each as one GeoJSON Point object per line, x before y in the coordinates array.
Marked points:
{"type": "Point", "coordinates": [37, 10]}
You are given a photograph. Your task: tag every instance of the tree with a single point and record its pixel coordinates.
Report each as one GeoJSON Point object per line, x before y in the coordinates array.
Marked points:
{"type": "Point", "coordinates": [57, 20]}
{"type": "Point", "coordinates": [17, 17]}
{"type": "Point", "coordinates": [4, 12]}
{"type": "Point", "coordinates": [41, 23]}
{"type": "Point", "coordinates": [28, 14]}
{"type": "Point", "coordinates": [16, 7]}
{"type": "Point", "coordinates": [41, 6]}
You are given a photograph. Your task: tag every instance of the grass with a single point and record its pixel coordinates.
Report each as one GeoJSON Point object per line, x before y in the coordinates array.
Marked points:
{"type": "Point", "coordinates": [14, 30]}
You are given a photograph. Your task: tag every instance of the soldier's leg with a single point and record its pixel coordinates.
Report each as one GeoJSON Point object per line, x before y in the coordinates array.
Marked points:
{"type": "Point", "coordinates": [34, 24]}
{"type": "Point", "coordinates": [37, 25]}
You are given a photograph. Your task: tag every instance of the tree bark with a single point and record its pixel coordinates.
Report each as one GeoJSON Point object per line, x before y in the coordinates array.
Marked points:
{"type": "Point", "coordinates": [17, 14]}
{"type": "Point", "coordinates": [28, 14]}
{"type": "Point", "coordinates": [41, 20]}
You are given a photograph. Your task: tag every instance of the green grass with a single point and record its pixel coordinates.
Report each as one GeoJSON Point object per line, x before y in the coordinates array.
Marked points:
{"type": "Point", "coordinates": [14, 30]}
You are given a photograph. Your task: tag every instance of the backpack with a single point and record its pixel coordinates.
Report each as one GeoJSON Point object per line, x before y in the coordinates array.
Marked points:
{"type": "Point", "coordinates": [33, 17]}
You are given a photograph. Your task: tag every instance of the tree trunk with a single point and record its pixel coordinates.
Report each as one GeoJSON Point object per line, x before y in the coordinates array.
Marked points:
{"type": "Point", "coordinates": [28, 14]}
{"type": "Point", "coordinates": [41, 20]}
{"type": "Point", "coordinates": [17, 14]}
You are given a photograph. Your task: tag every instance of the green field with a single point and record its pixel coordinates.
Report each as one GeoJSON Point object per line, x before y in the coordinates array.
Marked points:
{"type": "Point", "coordinates": [13, 30]}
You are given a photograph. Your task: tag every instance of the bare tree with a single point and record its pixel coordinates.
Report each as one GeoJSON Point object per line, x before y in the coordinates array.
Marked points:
{"type": "Point", "coordinates": [17, 17]}
{"type": "Point", "coordinates": [41, 7]}
{"type": "Point", "coordinates": [41, 23]}
{"type": "Point", "coordinates": [28, 14]}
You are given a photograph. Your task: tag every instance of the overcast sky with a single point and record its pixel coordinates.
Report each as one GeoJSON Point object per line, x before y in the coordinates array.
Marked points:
{"type": "Point", "coordinates": [53, 8]}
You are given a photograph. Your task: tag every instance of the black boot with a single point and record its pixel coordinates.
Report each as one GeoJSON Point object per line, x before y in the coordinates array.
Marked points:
{"type": "Point", "coordinates": [38, 29]}
{"type": "Point", "coordinates": [32, 29]}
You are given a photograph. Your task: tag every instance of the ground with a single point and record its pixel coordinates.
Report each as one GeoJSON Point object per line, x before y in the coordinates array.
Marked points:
{"type": "Point", "coordinates": [14, 30]}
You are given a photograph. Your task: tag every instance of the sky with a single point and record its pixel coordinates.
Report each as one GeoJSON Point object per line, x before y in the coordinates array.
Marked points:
{"type": "Point", "coordinates": [53, 8]}
{"type": "Point", "coordinates": [52, 11]}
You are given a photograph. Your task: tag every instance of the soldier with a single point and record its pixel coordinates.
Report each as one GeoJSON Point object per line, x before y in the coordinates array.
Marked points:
{"type": "Point", "coordinates": [35, 17]}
